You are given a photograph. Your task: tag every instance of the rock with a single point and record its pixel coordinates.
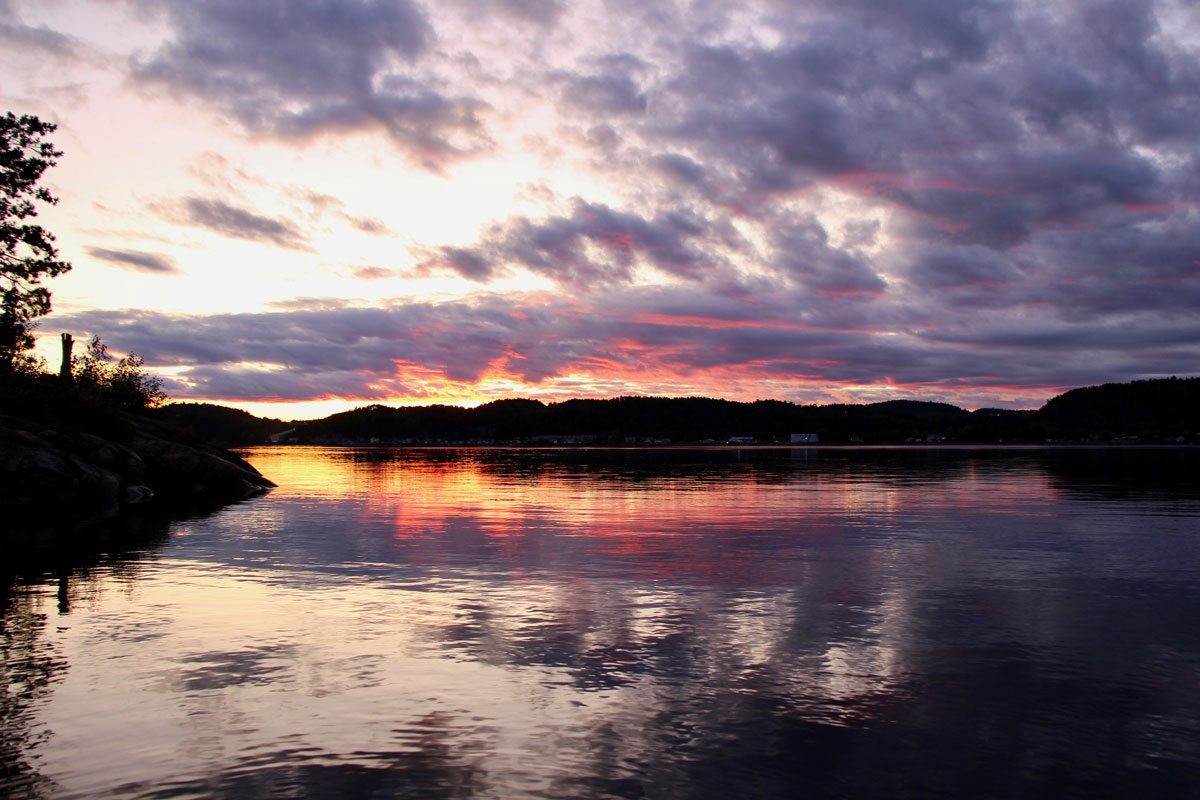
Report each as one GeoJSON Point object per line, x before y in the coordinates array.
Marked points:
{"type": "Point", "coordinates": [195, 473]}
{"type": "Point", "coordinates": [47, 476]}
{"type": "Point", "coordinates": [135, 495]}
{"type": "Point", "coordinates": [44, 478]}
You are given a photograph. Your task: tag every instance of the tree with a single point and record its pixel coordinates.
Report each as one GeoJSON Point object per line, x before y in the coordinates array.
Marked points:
{"type": "Point", "coordinates": [124, 384]}
{"type": "Point", "coordinates": [27, 252]}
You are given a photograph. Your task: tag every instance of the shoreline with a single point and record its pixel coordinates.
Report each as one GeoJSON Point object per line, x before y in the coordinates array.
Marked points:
{"type": "Point", "coordinates": [52, 478]}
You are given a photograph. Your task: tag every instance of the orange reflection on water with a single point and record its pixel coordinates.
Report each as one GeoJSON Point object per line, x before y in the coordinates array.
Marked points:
{"type": "Point", "coordinates": [691, 515]}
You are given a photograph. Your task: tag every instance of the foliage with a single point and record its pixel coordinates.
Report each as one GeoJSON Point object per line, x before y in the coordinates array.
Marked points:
{"type": "Point", "coordinates": [97, 400]}
{"type": "Point", "coordinates": [1148, 411]}
{"type": "Point", "coordinates": [27, 252]}
{"type": "Point", "coordinates": [125, 384]}
{"type": "Point", "coordinates": [220, 425]}
{"type": "Point", "coordinates": [638, 419]}
{"type": "Point", "coordinates": [1151, 410]}
{"type": "Point", "coordinates": [44, 398]}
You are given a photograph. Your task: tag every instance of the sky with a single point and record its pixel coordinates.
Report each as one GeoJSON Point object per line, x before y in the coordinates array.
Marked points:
{"type": "Point", "coordinates": [297, 207]}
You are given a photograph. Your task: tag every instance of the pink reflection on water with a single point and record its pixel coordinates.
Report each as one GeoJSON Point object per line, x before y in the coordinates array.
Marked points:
{"type": "Point", "coordinates": [705, 522]}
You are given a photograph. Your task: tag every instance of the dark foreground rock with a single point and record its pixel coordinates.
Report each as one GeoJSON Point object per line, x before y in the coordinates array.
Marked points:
{"type": "Point", "coordinates": [47, 476]}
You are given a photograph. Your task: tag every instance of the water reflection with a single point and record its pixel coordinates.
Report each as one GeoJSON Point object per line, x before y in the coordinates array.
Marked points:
{"type": "Point", "coordinates": [74, 566]}
{"type": "Point", "coordinates": [629, 623]}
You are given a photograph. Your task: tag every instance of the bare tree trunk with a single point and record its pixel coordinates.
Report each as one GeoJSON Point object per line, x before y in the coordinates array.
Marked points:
{"type": "Point", "coordinates": [67, 344]}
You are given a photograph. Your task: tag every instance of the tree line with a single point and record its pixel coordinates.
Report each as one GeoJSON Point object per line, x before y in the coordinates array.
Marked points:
{"type": "Point", "coordinates": [92, 387]}
{"type": "Point", "coordinates": [1164, 411]}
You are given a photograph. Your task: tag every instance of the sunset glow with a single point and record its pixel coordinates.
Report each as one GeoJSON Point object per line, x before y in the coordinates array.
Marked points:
{"type": "Point", "coordinates": [297, 208]}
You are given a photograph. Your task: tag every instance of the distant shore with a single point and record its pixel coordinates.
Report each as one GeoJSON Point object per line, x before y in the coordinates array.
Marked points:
{"type": "Point", "coordinates": [1163, 411]}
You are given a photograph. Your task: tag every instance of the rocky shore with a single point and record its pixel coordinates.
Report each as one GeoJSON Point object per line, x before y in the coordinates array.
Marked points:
{"type": "Point", "coordinates": [49, 477]}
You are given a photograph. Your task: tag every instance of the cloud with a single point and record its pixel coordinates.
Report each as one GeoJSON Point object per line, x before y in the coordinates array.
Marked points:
{"type": "Point", "coordinates": [326, 203]}
{"type": "Point", "coordinates": [373, 273]}
{"type": "Point", "coordinates": [39, 39]}
{"type": "Point", "coordinates": [311, 303]}
{"type": "Point", "coordinates": [540, 12]}
{"type": "Point", "coordinates": [238, 223]}
{"type": "Point", "coordinates": [678, 167]}
{"type": "Point", "coordinates": [36, 39]}
{"type": "Point", "coordinates": [605, 95]}
{"type": "Point", "coordinates": [310, 67]}
{"type": "Point", "coordinates": [594, 245]}
{"type": "Point", "coordinates": [469, 263]}
{"type": "Point", "coordinates": [792, 198]}
{"type": "Point", "coordinates": [371, 225]}
{"type": "Point", "coordinates": [685, 339]}
{"type": "Point", "coordinates": [948, 106]}
{"type": "Point", "coordinates": [154, 263]}
{"type": "Point", "coordinates": [255, 384]}
{"type": "Point", "coordinates": [803, 253]}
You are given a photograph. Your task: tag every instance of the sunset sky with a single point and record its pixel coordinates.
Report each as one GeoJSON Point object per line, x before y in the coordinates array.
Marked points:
{"type": "Point", "coordinates": [299, 206]}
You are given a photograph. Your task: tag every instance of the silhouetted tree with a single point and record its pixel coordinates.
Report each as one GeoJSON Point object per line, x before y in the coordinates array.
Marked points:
{"type": "Point", "coordinates": [125, 384]}
{"type": "Point", "coordinates": [27, 252]}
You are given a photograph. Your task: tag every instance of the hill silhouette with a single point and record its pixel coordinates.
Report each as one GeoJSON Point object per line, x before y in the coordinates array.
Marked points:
{"type": "Point", "coordinates": [1147, 410]}
{"type": "Point", "coordinates": [1164, 411]}
{"type": "Point", "coordinates": [221, 425]}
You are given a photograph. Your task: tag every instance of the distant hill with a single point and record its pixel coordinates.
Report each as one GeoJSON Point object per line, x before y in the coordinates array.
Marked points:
{"type": "Point", "coordinates": [221, 425]}
{"type": "Point", "coordinates": [1151, 411]}
{"type": "Point", "coordinates": [628, 420]}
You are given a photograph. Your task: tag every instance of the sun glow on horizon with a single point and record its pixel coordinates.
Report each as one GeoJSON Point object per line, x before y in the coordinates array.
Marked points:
{"type": "Point", "coordinates": [459, 202]}
{"type": "Point", "coordinates": [469, 396]}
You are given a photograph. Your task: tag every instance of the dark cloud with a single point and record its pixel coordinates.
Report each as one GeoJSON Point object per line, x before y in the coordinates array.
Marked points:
{"type": "Point", "coordinates": [136, 260]}
{"type": "Point", "coordinates": [1058, 94]}
{"type": "Point", "coordinates": [605, 95]}
{"type": "Point", "coordinates": [308, 67]}
{"type": "Point", "coordinates": [471, 264]}
{"type": "Point", "coordinates": [945, 268]}
{"type": "Point", "coordinates": [541, 12]}
{"type": "Point", "coordinates": [1047, 188]}
{"type": "Point", "coordinates": [953, 104]}
{"type": "Point", "coordinates": [238, 223]}
{"type": "Point", "coordinates": [803, 253]}
{"type": "Point", "coordinates": [644, 336]}
{"type": "Point", "coordinates": [35, 40]}
{"type": "Point", "coordinates": [958, 31]}
{"type": "Point", "coordinates": [279, 386]}
{"type": "Point", "coordinates": [856, 192]}
{"type": "Point", "coordinates": [678, 167]}
{"type": "Point", "coordinates": [595, 245]}
{"type": "Point", "coordinates": [457, 340]}
{"type": "Point", "coordinates": [39, 39]}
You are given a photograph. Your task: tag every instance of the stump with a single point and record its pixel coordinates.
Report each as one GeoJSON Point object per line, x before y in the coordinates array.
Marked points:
{"type": "Point", "coordinates": [67, 343]}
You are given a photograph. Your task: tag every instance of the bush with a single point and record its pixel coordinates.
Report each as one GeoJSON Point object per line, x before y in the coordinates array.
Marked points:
{"type": "Point", "coordinates": [124, 384]}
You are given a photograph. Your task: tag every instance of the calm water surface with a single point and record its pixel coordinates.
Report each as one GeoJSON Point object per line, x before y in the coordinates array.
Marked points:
{"type": "Point", "coordinates": [625, 623]}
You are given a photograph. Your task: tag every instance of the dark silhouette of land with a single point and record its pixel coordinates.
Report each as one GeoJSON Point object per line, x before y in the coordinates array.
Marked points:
{"type": "Point", "coordinates": [70, 449]}
{"type": "Point", "coordinates": [86, 449]}
{"type": "Point", "coordinates": [1155, 411]}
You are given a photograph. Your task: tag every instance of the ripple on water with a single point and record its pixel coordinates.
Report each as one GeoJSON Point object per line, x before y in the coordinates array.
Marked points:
{"type": "Point", "coordinates": [656, 624]}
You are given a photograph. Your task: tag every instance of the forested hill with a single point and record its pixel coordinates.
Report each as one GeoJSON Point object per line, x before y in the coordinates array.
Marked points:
{"type": "Point", "coordinates": [221, 425]}
{"type": "Point", "coordinates": [1149, 411]}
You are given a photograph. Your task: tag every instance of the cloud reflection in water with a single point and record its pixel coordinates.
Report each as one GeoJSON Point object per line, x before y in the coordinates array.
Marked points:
{"type": "Point", "coordinates": [669, 623]}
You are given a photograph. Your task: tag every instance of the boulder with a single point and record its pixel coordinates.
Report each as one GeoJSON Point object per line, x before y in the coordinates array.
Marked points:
{"type": "Point", "coordinates": [48, 476]}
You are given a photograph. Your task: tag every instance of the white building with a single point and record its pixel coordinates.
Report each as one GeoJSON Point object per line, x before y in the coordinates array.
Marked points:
{"type": "Point", "coordinates": [804, 438]}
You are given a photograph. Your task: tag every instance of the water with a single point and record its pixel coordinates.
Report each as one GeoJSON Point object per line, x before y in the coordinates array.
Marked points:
{"type": "Point", "coordinates": [629, 623]}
